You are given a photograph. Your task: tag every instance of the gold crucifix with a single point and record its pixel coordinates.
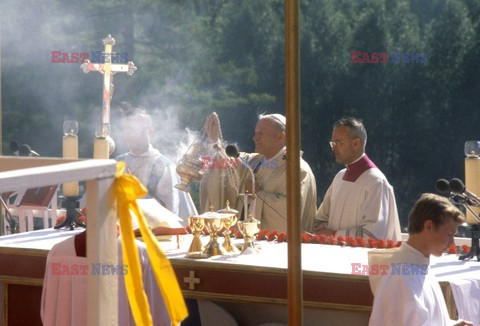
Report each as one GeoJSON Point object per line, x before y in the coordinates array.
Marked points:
{"type": "Point", "coordinates": [108, 69]}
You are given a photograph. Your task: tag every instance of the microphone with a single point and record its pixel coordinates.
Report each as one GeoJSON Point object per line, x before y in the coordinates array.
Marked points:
{"type": "Point", "coordinates": [232, 151]}
{"type": "Point", "coordinates": [224, 154]}
{"type": "Point", "coordinates": [14, 147]}
{"type": "Point", "coordinates": [457, 187]}
{"type": "Point", "coordinates": [442, 185]}
{"type": "Point", "coordinates": [26, 150]}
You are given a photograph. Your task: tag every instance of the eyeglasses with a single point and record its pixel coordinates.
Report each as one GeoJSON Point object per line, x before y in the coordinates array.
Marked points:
{"type": "Point", "coordinates": [335, 143]}
{"type": "Point", "coordinates": [339, 142]}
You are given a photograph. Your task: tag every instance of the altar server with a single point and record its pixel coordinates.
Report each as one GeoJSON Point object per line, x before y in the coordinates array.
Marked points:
{"type": "Point", "coordinates": [220, 184]}
{"type": "Point", "coordinates": [404, 297]}
{"type": "Point", "coordinates": [154, 170]}
{"type": "Point", "coordinates": [360, 202]}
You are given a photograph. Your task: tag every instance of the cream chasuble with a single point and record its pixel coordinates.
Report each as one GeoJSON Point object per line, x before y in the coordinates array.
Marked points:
{"type": "Point", "coordinates": [220, 184]}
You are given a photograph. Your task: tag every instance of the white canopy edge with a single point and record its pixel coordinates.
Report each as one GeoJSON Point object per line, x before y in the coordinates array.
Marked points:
{"type": "Point", "coordinates": [24, 172]}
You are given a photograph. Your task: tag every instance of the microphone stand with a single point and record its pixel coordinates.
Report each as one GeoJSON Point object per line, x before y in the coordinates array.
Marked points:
{"type": "Point", "coordinates": [249, 227]}
{"type": "Point", "coordinates": [246, 194]}
{"type": "Point", "coordinates": [475, 248]}
{"type": "Point", "coordinates": [235, 154]}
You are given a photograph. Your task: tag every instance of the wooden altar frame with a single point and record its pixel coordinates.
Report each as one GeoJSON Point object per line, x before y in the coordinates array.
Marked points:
{"type": "Point", "coordinates": [18, 173]}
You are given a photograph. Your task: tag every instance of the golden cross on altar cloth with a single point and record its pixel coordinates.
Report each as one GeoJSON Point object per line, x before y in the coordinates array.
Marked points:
{"type": "Point", "coordinates": [191, 280]}
{"type": "Point", "coordinates": [108, 69]}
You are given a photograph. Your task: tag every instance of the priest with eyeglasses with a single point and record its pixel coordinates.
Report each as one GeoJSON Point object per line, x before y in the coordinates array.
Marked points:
{"type": "Point", "coordinates": [360, 202]}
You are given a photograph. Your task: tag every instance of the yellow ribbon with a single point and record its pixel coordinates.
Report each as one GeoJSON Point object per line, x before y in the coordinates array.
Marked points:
{"type": "Point", "coordinates": [127, 189]}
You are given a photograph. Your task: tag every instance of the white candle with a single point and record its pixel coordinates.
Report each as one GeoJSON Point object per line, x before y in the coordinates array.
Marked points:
{"type": "Point", "coordinates": [70, 151]}
{"type": "Point", "coordinates": [472, 183]}
{"type": "Point", "coordinates": [100, 148]}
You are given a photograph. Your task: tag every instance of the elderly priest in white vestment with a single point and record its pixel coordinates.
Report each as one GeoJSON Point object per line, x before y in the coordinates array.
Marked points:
{"type": "Point", "coordinates": [360, 202]}
{"type": "Point", "coordinates": [269, 166]}
{"type": "Point", "coordinates": [154, 170]}
{"type": "Point", "coordinates": [409, 293]}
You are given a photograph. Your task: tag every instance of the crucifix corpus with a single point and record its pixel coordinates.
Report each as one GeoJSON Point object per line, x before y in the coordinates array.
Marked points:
{"type": "Point", "coordinates": [108, 69]}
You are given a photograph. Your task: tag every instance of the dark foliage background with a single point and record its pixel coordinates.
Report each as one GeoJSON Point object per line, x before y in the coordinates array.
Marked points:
{"type": "Point", "coordinates": [199, 56]}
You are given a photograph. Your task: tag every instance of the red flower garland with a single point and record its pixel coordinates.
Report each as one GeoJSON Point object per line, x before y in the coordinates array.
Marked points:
{"type": "Point", "coordinates": [262, 235]}
{"type": "Point", "coordinates": [381, 244]}
{"type": "Point", "coordinates": [331, 240]}
{"type": "Point", "coordinates": [372, 243]}
{"type": "Point", "coordinates": [453, 249]}
{"type": "Point", "coordinates": [465, 248]}
{"type": "Point", "coordinates": [273, 236]}
{"type": "Point", "coordinates": [391, 244]}
{"type": "Point", "coordinates": [322, 239]}
{"type": "Point", "coordinates": [350, 241]}
{"type": "Point", "coordinates": [305, 238]}
{"type": "Point", "coordinates": [361, 242]}
{"type": "Point", "coordinates": [282, 237]}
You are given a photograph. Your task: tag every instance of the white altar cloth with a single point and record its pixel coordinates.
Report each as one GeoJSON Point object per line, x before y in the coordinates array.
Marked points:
{"type": "Point", "coordinates": [464, 278]}
{"type": "Point", "coordinates": [42, 240]}
{"type": "Point", "coordinates": [463, 275]}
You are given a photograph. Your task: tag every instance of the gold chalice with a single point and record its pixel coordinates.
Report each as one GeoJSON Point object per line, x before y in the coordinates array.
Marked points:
{"type": "Point", "coordinates": [229, 220]}
{"type": "Point", "coordinates": [214, 223]}
{"type": "Point", "coordinates": [196, 224]}
{"type": "Point", "coordinates": [249, 229]}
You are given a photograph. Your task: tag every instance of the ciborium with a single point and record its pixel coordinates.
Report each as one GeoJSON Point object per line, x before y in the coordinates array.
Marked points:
{"type": "Point", "coordinates": [229, 220]}
{"type": "Point", "coordinates": [249, 229]}
{"type": "Point", "coordinates": [189, 168]}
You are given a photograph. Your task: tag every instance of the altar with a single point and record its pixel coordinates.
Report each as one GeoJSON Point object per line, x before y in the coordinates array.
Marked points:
{"type": "Point", "coordinates": [251, 288]}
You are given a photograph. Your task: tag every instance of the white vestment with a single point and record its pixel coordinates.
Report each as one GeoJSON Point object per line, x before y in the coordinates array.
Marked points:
{"type": "Point", "coordinates": [363, 208]}
{"type": "Point", "coordinates": [157, 173]}
{"type": "Point", "coordinates": [64, 296]}
{"type": "Point", "coordinates": [220, 184]}
{"type": "Point", "coordinates": [408, 298]}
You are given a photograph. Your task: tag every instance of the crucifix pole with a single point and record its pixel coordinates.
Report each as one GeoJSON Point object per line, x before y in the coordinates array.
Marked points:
{"type": "Point", "coordinates": [108, 42]}
{"type": "Point", "coordinates": [108, 69]}
{"type": "Point", "coordinates": [103, 144]}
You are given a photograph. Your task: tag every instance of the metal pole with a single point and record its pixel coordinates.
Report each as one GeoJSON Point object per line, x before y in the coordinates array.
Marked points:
{"type": "Point", "coordinates": [292, 102]}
